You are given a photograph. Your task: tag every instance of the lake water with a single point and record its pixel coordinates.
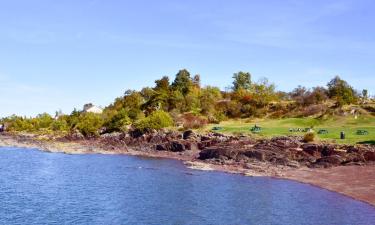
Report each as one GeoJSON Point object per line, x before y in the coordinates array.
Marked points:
{"type": "Point", "coordinates": [49, 188]}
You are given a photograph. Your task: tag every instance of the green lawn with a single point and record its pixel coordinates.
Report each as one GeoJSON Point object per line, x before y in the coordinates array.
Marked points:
{"type": "Point", "coordinates": [334, 125]}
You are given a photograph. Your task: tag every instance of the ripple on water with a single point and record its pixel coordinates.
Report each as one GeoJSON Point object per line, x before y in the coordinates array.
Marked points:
{"type": "Point", "coordinates": [44, 188]}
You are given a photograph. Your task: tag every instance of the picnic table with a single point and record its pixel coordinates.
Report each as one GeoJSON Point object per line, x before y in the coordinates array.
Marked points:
{"type": "Point", "coordinates": [256, 129]}
{"type": "Point", "coordinates": [362, 132]}
{"type": "Point", "coordinates": [323, 131]}
{"type": "Point", "coordinates": [300, 129]}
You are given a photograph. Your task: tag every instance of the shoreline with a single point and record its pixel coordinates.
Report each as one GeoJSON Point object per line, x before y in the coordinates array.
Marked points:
{"type": "Point", "coordinates": [352, 181]}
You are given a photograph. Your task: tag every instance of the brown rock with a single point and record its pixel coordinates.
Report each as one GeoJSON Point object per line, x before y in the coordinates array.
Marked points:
{"type": "Point", "coordinates": [189, 134]}
{"type": "Point", "coordinates": [257, 154]}
{"type": "Point", "coordinates": [176, 146]}
{"type": "Point", "coordinates": [369, 156]}
{"type": "Point", "coordinates": [328, 161]}
{"type": "Point", "coordinates": [312, 149]}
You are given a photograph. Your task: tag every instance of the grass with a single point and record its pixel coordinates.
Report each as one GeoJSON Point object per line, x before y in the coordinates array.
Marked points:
{"type": "Point", "coordinates": [334, 125]}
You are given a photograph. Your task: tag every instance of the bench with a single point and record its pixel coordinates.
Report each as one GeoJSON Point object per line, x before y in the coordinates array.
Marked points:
{"type": "Point", "coordinates": [217, 128]}
{"type": "Point", "coordinates": [323, 131]}
{"type": "Point", "coordinates": [362, 132]}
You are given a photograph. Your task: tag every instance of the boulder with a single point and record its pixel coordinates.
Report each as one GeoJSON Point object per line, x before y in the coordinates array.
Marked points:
{"type": "Point", "coordinates": [189, 134]}
{"type": "Point", "coordinates": [161, 147]}
{"type": "Point", "coordinates": [328, 150]}
{"type": "Point", "coordinates": [189, 145]}
{"type": "Point", "coordinates": [176, 146]}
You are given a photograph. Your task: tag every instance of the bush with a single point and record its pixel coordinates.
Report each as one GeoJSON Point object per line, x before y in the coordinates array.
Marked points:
{"type": "Point", "coordinates": [156, 120]}
{"type": "Point", "coordinates": [89, 124]}
{"type": "Point", "coordinates": [118, 122]}
{"type": "Point", "coordinates": [19, 124]}
{"type": "Point", "coordinates": [309, 137]}
{"type": "Point", "coordinates": [216, 118]}
{"type": "Point", "coordinates": [59, 125]}
{"type": "Point", "coordinates": [194, 122]}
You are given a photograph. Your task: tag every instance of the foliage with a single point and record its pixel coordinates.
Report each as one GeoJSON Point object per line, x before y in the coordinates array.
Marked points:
{"type": "Point", "coordinates": [191, 121]}
{"type": "Point", "coordinates": [156, 120]}
{"type": "Point", "coordinates": [89, 124]}
{"type": "Point", "coordinates": [341, 91]}
{"type": "Point", "coordinates": [153, 107]}
{"type": "Point", "coordinates": [118, 122]}
{"type": "Point", "coordinates": [209, 97]}
{"type": "Point", "coordinates": [182, 82]}
{"type": "Point", "coordinates": [242, 80]}
{"type": "Point", "coordinates": [305, 97]}
{"type": "Point", "coordinates": [60, 124]}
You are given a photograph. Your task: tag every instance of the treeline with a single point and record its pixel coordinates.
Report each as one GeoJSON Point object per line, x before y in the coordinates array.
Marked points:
{"type": "Point", "coordinates": [185, 102]}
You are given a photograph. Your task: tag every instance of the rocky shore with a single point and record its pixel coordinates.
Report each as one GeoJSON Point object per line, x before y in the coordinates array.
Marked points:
{"type": "Point", "coordinates": [345, 169]}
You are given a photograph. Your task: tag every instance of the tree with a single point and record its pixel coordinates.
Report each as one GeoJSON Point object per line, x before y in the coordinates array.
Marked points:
{"type": "Point", "coordinates": [209, 98]}
{"type": "Point", "coordinates": [364, 94]}
{"type": "Point", "coordinates": [318, 95]}
{"type": "Point", "coordinates": [162, 85]}
{"type": "Point", "coordinates": [89, 124]}
{"type": "Point", "coordinates": [157, 120]}
{"type": "Point", "coordinates": [263, 92]}
{"type": "Point", "coordinates": [242, 80]}
{"type": "Point", "coordinates": [118, 122]}
{"type": "Point", "coordinates": [341, 91]}
{"type": "Point", "coordinates": [132, 102]}
{"type": "Point", "coordinates": [182, 82]}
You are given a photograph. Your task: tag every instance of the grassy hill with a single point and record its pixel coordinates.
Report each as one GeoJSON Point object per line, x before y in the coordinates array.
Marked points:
{"type": "Point", "coordinates": [333, 124]}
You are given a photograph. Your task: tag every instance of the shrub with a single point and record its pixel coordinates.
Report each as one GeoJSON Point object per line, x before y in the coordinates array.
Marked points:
{"type": "Point", "coordinates": [118, 122]}
{"type": "Point", "coordinates": [42, 121]}
{"type": "Point", "coordinates": [89, 124]}
{"type": "Point", "coordinates": [156, 120]}
{"type": "Point", "coordinates": [194, 122]}
{"type": "Point", "coordinates": [309, 137]}
{"type": "Point", "coordinates": [19, 124]}
{"type": "Point", "coordinates": [59, 125]}
{"type": "Point", "coordinates": [216, 118]}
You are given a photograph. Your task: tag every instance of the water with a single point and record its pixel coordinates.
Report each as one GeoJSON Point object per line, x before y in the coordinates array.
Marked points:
{"type": "Point", "coordinates": [49, 188]}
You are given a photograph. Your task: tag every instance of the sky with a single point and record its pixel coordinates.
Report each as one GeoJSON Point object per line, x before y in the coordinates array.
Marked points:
{"type": "Point", "coordinates": [59, 55]}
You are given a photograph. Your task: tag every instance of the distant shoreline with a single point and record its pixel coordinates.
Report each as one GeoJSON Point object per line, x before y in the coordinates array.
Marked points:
{"type": "Point", "coordinates": [338, 179]}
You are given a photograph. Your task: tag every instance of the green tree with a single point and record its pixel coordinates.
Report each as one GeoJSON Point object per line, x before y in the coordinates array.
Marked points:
{"type": "Point", "coordinates": [118, 122]}
{"type": "Point", "coordinates": [208, 99]}
{"type": "Point", "coordinates": [341, 91]}
{"type": "Point", "coordinates": [60, 124]}
{"type": "Point", "coordinates": [157, 120]}
{"type": "Point", "coordinates": [263, 92]}
{"type": "Point", "coordinates": [364, 94]}
{"type": "Point", "coordinates": [42, 121]}
{"type": "Point", "coordinates": [182, 82]}
{"type": "Point", "coordinates": [89, 124]}
{"type": "Point", "coordinates": [133, 102]}
{"type": "Point", "coordinates": [162, 85]}
{"type": "Point", "coordinates": [242, 80]}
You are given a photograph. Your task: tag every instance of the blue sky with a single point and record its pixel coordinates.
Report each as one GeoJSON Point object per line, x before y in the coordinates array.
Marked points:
{"type": "Point", "coordinates": [62, 54]}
